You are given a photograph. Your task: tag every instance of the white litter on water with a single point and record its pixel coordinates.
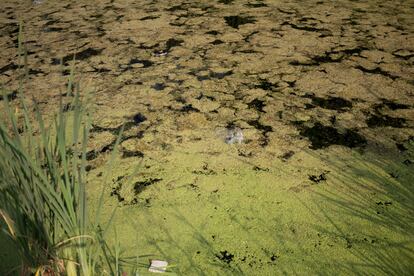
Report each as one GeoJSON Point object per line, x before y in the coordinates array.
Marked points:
{"type": "Point", "coordinates": [158, 266]}
{"type": "Point", "coordinates": [234, 135]}
{"type": "Point", "coordinates": [37, 2]}
{"type": "Point", "coordinates": [230, 135]}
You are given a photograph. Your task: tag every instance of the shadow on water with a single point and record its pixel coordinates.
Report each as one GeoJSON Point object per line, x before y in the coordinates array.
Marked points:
{"type": "Point", "coordinates": [9, 259]}
{"type": "Point", "coordinates": [359, 221]}
{"type": "Point", "coordinates": [370, 208]}
{"type": "Point", "coordinates": [220, 262]}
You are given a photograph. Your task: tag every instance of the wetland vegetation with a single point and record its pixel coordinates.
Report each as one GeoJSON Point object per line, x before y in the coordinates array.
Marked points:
{"type": "Point", "coordinates": [243, 137]}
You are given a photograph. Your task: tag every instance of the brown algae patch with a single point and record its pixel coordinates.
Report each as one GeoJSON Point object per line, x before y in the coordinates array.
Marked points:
{"type": "Point", "coordinates": [321, 93]}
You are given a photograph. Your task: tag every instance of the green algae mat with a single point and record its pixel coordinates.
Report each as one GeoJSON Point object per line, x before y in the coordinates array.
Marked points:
{"type": "Point", "coordinates": [261, 137]}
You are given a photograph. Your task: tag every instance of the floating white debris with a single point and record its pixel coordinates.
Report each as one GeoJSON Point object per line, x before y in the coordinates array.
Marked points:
{"type": "Point", "coordinates": [37, 2]}
{"type": "Point", "coordinates": [158, 266]}
{"type": "Point", "coordinates": [160, 53]}
{"type": "Point", "coordinates": [234, 135]}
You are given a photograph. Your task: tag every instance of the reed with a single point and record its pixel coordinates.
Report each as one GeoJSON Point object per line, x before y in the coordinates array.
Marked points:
{"type": "Point", "coordinates": [42, 189]}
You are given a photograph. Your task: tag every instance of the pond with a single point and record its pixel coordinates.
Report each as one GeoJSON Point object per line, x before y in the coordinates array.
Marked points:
{"type": "Point", "coordinates": [261, 137]}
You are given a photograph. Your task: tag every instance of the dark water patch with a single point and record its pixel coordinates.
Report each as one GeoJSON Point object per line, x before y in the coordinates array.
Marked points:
{"type": "Point", "coordinates": [403, 55]}
{"type": "Point", "coordinates": [287, 155]}
{"type": "Point", "coordinates": [84, 54]}
{"type": "Point", "coordinates": [204, 171]}
{"type": "Point", "coordinates": [353, 51]}
{"type": "Point", "coordinates": [141, 185]}
{"type": "Point", "coordinates": [132, 153]}
{"type": "Point", "coordinates": [220, 75]}
{"type": "Point", "coordinates": [136, 120]}
{"type": "Point", "coordinates": [51, 22]}
{"type": "Point", "coordinates": [308, 19]}
{"type": "Point", "coordinates": [144, 62]}
{"type": "Point", "coordinates": [317, 178]}
{"type": "Point", "coordinates": [407, 162]}
{"type": "Point", "coordinates": [177, 24]}
{"type": "Point", "coordinates": [66, 72]}
{"type": "Point", "coordinates": [113, 130]}
{"type": "Point", "coordinates": [265, 85]}
{"type": "Point", "coordinates": [304, 63]}
{"type": "Point", "coordinates": [96, 16]}
{"type": "Point", "coordinates": [322, 136]}
{"type": "Point", "coordinates": [303, 27]}
{"type": "Point", "coordinates": [274, 257]}
{"type": "Point", "coordinates": [291, 83]}
{"type": "Point", "coordinates": [380, 120]}
{"type": "Point", "coordinates": [139, 118]}
{"type": "Point", "coordinates": [325, 58]}
{"type": "Point", "coordinates": [201, 96]}
{"type": "Point", "coordinates": [257, 105]}
{"type": "Point", "coordinates": [116, 190]}
{"type": "Point", "coordinates": [212, 32]}
{"type": "Point", "coordinates": [128, 126]}
{"type": "Point", "coordinates": [385, 203]}
{"type": "Point", "coordinates": [247, 38]}
{"type": "Point", "coordinates": [235, 21]}
{"type": "Point", "coordinates": [93, 154]}
{"type": "Point", "coordinates": [247, 51]}
{"type": "Point", "coordinates": [332, 56]}
{"type": "Point", "coordinates": [225, 256]}
{"type": "Point", "coordinates": [67, 107]}
{"type": "Point", "coordinates": [171, 43]}
{"type": "Point", "coordinates": [263, 129]}
{"type": "Point", "coordinates": [377, 71]}
{"type": "Point", "coordinates": [393, 105]}
{"type": "Point", "coordinates": [52, 29]}
{"type": "Point", "coordinates": [256, 5]}
{"type": "Point", "coordinates": [10, 97]}
{"type": "Point", "coordinates": [332, 103]}
{"type": "Point", "coordinates": [217, 42]}
{"type": "Point", "coordinates": [150, 17]}
{"type": "Point", "coordinates": [325, 33]}
{"type": "Point", "coordinates": [158, 86]}
{"type": "Point", "coordinates": [401, 147]}
{"type": "Point", "coordinates": [260, 169]}
{"type": "Point", "coordinates": [10, 66]}
{"type": "Point", "coordinates": [146, 47]}
{"type": "Point", "coordinates": [11, 29]}
{"type": "Point", "coordinates": [80, 34]}
{"type": "Point", "coordinates": [188, 108]}
{"type": "Point", "coordinates": [203, 78]}
{"type": "Point", "coordinates": [100, 31]}
{"type": "Point", "coordinates": [226, 2]}
{"type": "Point", "coordinates": [100, 70]}
{"type": "Point", "coordinates": [180, 99]}
{"type": "Point", "coordinates": [35, 72]}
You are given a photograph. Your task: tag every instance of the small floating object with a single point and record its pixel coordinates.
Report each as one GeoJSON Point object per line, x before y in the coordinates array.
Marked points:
{"type": "Point", "coordinates": [160, 53]}
{"type": "Point", "coordinates": [37, 2]}
{"type": "Point", "coordinates": [158, 266]}
{"type": "Point", "coordinates": [234, 135]}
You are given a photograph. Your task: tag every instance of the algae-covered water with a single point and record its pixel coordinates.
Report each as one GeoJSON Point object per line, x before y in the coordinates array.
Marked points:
{"type": "Point", "coordinates": [321, 180]}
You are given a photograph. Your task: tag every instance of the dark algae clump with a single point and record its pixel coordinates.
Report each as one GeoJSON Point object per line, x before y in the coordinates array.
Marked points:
{"type": "Point", "coordinates": [235, 21]}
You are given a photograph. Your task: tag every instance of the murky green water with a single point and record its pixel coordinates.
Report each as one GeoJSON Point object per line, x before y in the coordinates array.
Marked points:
{"type": "Point", "coordinates": [323, 96]}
